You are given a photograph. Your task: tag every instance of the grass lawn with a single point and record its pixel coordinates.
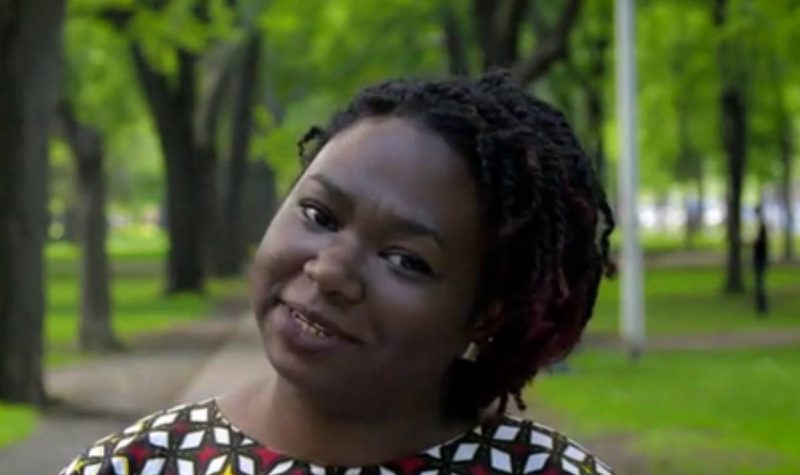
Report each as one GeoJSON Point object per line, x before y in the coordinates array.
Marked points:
{"type": "Point", "coordinates": [690, 301]}
{"type": "Point", "coordinates": [17, 421]}
{"type": "Point", "coordinates": [712, 239]}
{"type": "Point", "coordinates": [721, 412]}
{"type": "Point", "coordinates": [139, 306]}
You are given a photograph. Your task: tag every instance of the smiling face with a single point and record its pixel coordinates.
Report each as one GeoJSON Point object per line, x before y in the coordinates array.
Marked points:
{"type": "Point", "coordinates": [364, 283]}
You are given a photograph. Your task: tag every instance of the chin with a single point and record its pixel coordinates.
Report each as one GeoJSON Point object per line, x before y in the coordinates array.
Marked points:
{"type": "Point", "coordinates": [296, 368]}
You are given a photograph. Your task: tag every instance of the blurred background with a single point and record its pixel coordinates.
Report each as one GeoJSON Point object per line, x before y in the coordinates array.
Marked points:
{"type": "Point", "coordinates": [145, 144]}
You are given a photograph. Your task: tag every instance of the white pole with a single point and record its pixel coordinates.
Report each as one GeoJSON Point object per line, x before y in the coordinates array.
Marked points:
{"type": "Point", "coordinates": [632, 298]}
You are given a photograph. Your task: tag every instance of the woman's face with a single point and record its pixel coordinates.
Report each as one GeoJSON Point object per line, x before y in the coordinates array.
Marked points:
{"type": "Point", "coordinates": [364, 283]}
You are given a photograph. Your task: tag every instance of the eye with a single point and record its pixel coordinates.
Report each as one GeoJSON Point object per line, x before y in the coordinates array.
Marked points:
{"type": "Point", "coordinates": [318, 216]}
{"type": "Point", "coordinates": [408, 263]}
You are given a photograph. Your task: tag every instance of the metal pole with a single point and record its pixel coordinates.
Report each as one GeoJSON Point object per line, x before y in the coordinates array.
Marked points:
{"type": "Point", "coordinates": [632, 298]}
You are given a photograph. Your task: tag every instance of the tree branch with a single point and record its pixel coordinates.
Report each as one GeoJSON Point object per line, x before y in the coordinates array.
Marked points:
{"type": "Point", "coordinates": [454, 42]}
{"type": "Point", "coordinates": [155, 85]}
{"type": "Point", "coordinates": [210, 103]}
{"type": "Point", "coordinates": [509, 27]}
{"type": "Point", "coordinates": [85, 142]}
{"type": "Point", "coordinates": [484, 14]}
{"type": "Point", "coordinates": [552, 48]}
{"type": "Point", "coordinates": [540, 26]}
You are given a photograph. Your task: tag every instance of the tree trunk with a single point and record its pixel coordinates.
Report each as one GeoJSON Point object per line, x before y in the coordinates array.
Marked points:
{"type": "Point", "coordinates": [96, 333]}
{"type": "Point", "coordinates": [453, 42]}
{"type": "Point", "coordinates": [734, 124]}
{"type": "Point", "coordinates": [173, 110]}
{"type": "Point", "coordinates": [498, 25]}
{"type": "Point", "coordinates": [483, 13]}
{"type": "Point", "coordinates": [594, 105]}
{"type": "Point", "coordinates": [550, 48]}
{"type": "Point", "coordinates": [689, 169]}
{"type": "Point", "coordinates": [30, 67]}
{"type": "Point", "coordinates": [695, 213]}
{"type": "Point", "coordinates": [208, 158]}
{"type": "Point", "coordinates": [734, 132]}
{"type": "Point", "coordinates": [242, 126]}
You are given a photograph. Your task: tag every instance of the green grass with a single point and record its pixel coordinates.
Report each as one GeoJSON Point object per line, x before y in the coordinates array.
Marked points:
{"type": "Point", "coordinates": [721, 412]}
{"type": "Point", "coordinates": [139, 246]}
{"type": "Point", "coordinates": [659, 242]}
{"type": "Point", "coordinates": [17, 421]}
{"type": "Point", "coordinates": [139, 306]}
{"type": "Point", "coordinates": [710, 240]}
{"type": "Point", "coordinates": [690, 301]}
{"type": "Point", "coordinates": [138, 302]}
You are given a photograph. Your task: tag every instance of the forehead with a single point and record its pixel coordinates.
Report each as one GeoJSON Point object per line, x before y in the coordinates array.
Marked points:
{"type": "Point", "coordinates": [394, 164]}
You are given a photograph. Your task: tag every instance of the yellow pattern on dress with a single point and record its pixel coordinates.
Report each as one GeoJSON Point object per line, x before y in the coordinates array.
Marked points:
{"type": "Point", "coordinates": [228, 470]}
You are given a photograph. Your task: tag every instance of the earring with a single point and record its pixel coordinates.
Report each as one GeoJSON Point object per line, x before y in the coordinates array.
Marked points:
{"type": "Point", "coordinates": [471, 353]}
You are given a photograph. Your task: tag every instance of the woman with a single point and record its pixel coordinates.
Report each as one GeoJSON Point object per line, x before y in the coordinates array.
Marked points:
{"type": "Point", "coordinates": [443, 243]}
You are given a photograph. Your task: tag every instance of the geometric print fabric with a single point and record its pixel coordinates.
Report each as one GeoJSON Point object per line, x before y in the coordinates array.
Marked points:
{"type": "Point", "coordinates": [196, 439]}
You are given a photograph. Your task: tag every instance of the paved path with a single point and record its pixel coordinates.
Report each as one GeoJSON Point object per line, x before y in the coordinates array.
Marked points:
{"type": "Point", "coordinates": [240, 360]}
{"type": "Point", "coordinates": [106, 394]}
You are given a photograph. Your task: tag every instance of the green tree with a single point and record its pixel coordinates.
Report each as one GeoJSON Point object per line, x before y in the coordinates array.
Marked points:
{"type": "Point", "coordinates": [677, 100]}
{"type": "Point", "coordinates": [167, 42]}
{"type": "Point", "coordinates": [774, 73]}
{"type": "Point", "coordinates": [97, 105]}
{"type": "Point", "coordinates": [86, 143]}
{"type": "Point", "coordinates": [733, 74]}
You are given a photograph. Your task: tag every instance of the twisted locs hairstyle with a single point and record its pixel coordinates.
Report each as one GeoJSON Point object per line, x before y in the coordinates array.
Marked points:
{"type": "Point", "coordinates": [547, 219]}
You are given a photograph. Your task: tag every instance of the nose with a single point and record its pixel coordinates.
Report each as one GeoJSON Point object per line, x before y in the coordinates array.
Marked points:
{"type": "Point", "coordinates": [333, 270]}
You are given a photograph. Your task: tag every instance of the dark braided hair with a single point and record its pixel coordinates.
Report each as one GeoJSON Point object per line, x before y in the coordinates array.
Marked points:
{"type": "Point", "coordinates": [547, 217]}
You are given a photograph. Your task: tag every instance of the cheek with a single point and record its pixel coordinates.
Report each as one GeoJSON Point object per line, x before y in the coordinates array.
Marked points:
{"type": "Point", "coordinates": [280, 255]}
{"type": "Point", "coordinates": [423, 319]}
{"type": "Point", "coordinates": [420, 336]}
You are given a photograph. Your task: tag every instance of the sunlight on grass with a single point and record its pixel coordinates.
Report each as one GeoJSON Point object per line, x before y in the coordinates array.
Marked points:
{"type": "Point", "coordinates": [16, 422]}
{"type": "Point", "coordinates": [139, 306]}
{"type": "Point", "coordinates": [740, 403]}
{"type": "Point", "coordinates": [689, 300]}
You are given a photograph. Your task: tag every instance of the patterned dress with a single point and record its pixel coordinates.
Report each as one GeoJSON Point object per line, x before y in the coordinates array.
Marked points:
{"type": "Point", "coordinates": [196, 439]}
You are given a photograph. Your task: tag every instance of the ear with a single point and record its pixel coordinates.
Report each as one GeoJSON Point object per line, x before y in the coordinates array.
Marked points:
{"type": "Point", "coordinates": [487, 324]}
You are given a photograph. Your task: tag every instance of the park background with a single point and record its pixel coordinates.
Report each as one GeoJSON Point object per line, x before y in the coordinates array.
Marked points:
{"type": "Point", "coordinates": [145, 144]}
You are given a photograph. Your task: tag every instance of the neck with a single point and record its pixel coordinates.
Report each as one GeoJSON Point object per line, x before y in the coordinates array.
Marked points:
{"type": "Point", "coordinates": [296, 423]}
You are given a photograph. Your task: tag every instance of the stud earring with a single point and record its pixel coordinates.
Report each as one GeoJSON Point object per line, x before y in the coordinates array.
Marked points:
{"type": "Point", "coordinates": [471, 353]}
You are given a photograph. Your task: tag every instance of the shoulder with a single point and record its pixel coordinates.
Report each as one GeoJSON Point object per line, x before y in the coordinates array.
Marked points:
{"type": "Point", "coordinates": [516, 445]}
{"type": "Point", "coordinates": [145, 445]}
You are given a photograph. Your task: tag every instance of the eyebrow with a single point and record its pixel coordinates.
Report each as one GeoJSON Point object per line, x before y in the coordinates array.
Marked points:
{"type": "Point", "coordinates": [400, 223]}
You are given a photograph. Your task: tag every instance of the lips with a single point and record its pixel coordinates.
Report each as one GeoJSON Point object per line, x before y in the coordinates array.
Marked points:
{"type": "Point", "coordinates": [309, 326]}
{"type": "Point", "coordinates": [312, 322]}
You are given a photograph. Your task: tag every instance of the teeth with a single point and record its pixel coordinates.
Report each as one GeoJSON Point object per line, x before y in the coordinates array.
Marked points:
{"type": "Point", "coordinates": [309, 327]}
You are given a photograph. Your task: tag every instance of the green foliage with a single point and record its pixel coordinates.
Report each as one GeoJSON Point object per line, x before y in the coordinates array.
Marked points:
{"type": "Point", "coordinates": [339, 46]}
{"type": "Point", "coordinates": [772, 73]}
{"type": "Point", "coordinates": [176, 26]}
{"type": "Point", "coordinates": [98, 74]}
{"type": "Point", "coordinates": [709, 412]}
{"type": "Point", "coordinates": [678, 94]}
{"type": "Point", "coordinates": [101, 85]}
{"type": "Point", "coordinates": [317, 56]}
{"type": "Point", "coordinates": [279, 143]}
{"type": "Point", "coordinates": [328, 50]}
